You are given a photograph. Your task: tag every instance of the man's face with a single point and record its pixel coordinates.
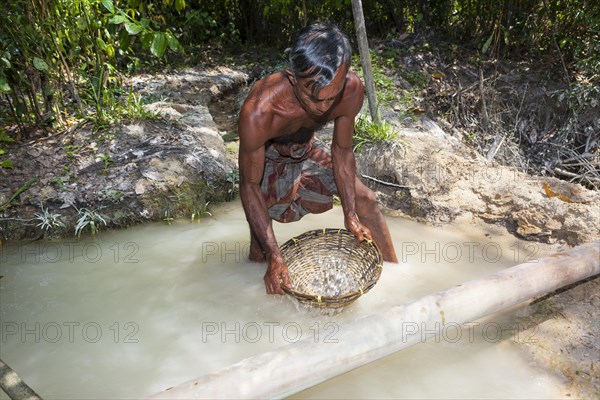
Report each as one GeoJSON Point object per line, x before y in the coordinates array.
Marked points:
{"type": "Point", "coordinates": [325, 99]}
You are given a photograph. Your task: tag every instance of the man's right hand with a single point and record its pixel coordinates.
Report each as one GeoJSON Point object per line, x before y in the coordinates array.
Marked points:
{"type": "Point", "coordinates": [276, 276]}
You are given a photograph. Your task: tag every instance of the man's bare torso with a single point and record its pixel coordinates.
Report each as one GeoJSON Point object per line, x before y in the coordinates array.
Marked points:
{"type": "Point", "coordinates": [285, 121]}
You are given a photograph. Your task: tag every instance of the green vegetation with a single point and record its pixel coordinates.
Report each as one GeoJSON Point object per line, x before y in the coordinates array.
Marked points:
{"type": "Point", "coordinates": [91, 219]}
{"type": "Point", "coordinates": [106, 161]}
{"type": "Point", "coordinates": [60, 58]}
{"type": "Point", "coordinates": [48, 220]}
{"type": "Point", "coordinates": [203, 212]}
{"type": "Point", "coordinates": [64, 63]}
{"type": "Point", "coordinates": [233, 179]}
{"type": "Point", "coordinates": [367, 131]}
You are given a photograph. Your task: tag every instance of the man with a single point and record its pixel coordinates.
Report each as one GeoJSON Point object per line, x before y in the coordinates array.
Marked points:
{"type": "Point", "coordinates": [285, 172]}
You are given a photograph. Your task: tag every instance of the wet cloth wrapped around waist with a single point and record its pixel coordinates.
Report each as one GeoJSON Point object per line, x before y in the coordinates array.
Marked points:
{"type": "Point", "coordinates": [286, 153]}
{"type": "Point", "coordinates": [298, 179]}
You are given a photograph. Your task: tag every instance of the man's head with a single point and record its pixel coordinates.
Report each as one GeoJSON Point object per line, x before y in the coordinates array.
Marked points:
{"type": "Point", "coordinates": [318, 53]}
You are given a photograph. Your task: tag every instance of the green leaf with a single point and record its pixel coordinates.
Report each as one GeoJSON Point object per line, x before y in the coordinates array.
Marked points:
{"type": "Point", "coordinates": [133, 28]}
{"type": "Point", "coordinates": [124, 40]}
{"type": "Point", "coordinates": [5, 138]}
{"type": "Point", "coordinates": [108, 4]}
{"type": "Point", "coordinates": [147, 39]}
{"type": "Point", "coordinates": [118, 19]}
{"type": "Point", "coordinates": [2, 151]}
{"type": "Point", "coordinates": [4, 86]}
{"type": "Point", "coordinates": [6, 164]}
{"type": "Point", "coordinates": [110, 50]}
{"type": "Point", "coordinates": [81, 24]}
{"type": "Point", "coordinates": [173, 42]}
{"type": "Point", "coordinates": [100, 43]}
{"type": "Point", "coordinates": [159, 44]}
{"type": "Point", "coordinates": [145, 22]}
{"type": "Point", "coordinates": [40, 64]}
{"type": "Point", "coordinates": [179, 5]}
{"type": "Point", "coordinates": [487, 43]}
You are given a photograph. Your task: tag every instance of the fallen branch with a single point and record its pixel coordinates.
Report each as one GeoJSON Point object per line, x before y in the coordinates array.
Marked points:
{"type": "Point", "coordinates": [498, 142]}
{"type": "Point", "coordinates": [576, 176]}
{"type": "Point", "coordinates": [384, 182]}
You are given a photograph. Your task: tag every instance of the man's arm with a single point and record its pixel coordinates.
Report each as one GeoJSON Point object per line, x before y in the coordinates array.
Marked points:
{"type": "Point", "coordinates": [344, 164]}
{"type": "Point", "coordinates": [251, 164]}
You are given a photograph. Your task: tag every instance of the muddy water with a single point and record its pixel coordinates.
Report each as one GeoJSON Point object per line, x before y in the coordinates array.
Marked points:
{"type": "Point", "coordinates": [134, 312]}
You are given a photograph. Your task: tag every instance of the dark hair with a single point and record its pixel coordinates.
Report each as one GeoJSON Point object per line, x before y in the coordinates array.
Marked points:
{"type": "Point", "coordinates": [318, 52]}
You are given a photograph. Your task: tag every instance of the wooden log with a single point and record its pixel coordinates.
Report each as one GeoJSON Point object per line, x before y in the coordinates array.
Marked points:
{"type": "Point", "coordinates": [13, 386]}
{"type": "Point", "coordinates": [303, 364]}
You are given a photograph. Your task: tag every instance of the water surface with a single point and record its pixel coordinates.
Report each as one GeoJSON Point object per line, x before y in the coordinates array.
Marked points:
{"type": "Point", "coordinates": [133, 312]}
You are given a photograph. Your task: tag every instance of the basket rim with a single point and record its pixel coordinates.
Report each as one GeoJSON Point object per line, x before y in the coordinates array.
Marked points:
{"type": "Point", "coordinates": [346, 297]}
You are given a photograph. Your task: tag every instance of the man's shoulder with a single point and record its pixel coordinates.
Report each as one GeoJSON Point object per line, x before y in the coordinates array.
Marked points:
{"type": "Point", "coordinates": [263, 94]}
{"type": "Point", "coordinates": [269, 84]}
{"type": "Point", "coordinates": [353, 96]}
{"type": "Point", "coordinates": [354, 83]}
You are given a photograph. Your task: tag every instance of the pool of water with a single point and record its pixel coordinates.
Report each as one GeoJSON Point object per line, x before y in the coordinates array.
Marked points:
{"type": "Point", "coordinates": [133, 312]}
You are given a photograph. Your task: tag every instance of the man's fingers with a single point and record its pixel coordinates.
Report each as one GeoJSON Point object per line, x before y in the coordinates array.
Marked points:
{"type": "Point", "coordinates": [276, 287]}
{"type": "Point", "coordinates": [367, 234]}
{"type": "Point", "coordinates": [285, 280]}
{"type": "Point", "coordinates": [362, 234]}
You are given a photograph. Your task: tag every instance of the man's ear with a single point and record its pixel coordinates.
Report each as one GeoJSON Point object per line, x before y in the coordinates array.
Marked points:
{"type": "Point", "coordinates": [290, 75]}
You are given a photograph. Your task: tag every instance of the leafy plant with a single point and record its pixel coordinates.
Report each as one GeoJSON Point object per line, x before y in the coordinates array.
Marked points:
{"type": "Point", "coordinates": [115, 196]}
{"type": "Point", "coordinates": [71, 151]}
{"type": "Point", "coordinates": [48, 220]}
{"type": "Point", "coordinates": [233, 178]}
{"type": "Point", "coordinates": [7, 164]}
{"type": "Point", "coordinates": [367, 131]}
{"type": "Point", "coordinates": [416, 78]}
{"type": "Point", "coordinates": [202, 213]}
{"type": "Point", "coordinates": [60, 182]}
{"type": "Point", "coordinates": [89, 218]}
{"type": "Point", "coordinates": [58, 54]}
{"type": "Point", "coordinates": [106, 160]}
{"type": "Point", "coordinates": [167, 218]}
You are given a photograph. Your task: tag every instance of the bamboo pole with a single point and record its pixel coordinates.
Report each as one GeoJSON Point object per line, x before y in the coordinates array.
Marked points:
{"type": "Point", "coordinates": [13, 386]}
{"type": "Point", "coordinates": [303, 364]}
{"type": "Point", "coordinates": [365, 57]}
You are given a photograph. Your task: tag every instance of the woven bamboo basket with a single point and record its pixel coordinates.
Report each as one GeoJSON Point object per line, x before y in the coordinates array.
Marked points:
{"type": "Point", "coordinates": [328, 269]}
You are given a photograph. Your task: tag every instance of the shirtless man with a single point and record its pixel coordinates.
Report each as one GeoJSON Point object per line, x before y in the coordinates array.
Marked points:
{"type": "Point", "coordinates": [285, 172]}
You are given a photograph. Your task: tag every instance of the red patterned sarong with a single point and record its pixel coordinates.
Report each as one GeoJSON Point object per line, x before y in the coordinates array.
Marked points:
{"type": "Point", "coordinates": [297, 180]}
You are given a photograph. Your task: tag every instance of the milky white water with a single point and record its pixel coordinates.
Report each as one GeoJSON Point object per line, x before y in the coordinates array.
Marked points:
{"type": "Point", "coordinates": [131, 313]}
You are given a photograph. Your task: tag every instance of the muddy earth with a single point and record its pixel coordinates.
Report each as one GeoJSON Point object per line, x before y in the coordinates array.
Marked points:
{"type": "Point", "coordinates": [177, 165]}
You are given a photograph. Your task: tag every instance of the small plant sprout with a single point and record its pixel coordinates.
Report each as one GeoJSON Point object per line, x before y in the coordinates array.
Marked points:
{"type": "Point", "coordinates": [167, 218]}
{"type": "Point", "coordinates": [106, 160]}
{"type": "Point", "coordinates": [48, 220]}
{"type": "Point", "coordinates": [202, 213]}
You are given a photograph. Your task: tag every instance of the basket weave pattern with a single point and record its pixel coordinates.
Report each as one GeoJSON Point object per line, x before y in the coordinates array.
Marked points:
{"type": "Point", "coordinates": [328, 269]}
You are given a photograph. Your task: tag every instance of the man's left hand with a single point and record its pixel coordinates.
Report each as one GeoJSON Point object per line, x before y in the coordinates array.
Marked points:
{"type": "Point", "coordinates": [359, 230]}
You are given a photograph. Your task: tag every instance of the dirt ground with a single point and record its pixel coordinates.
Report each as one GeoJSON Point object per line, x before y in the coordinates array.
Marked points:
{"type": "Point", "coordinates": [565, 331]}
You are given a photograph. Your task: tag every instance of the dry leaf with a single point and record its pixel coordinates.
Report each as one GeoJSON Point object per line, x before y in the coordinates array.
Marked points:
{"type": "Point", "coordinates": [551, 193]}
